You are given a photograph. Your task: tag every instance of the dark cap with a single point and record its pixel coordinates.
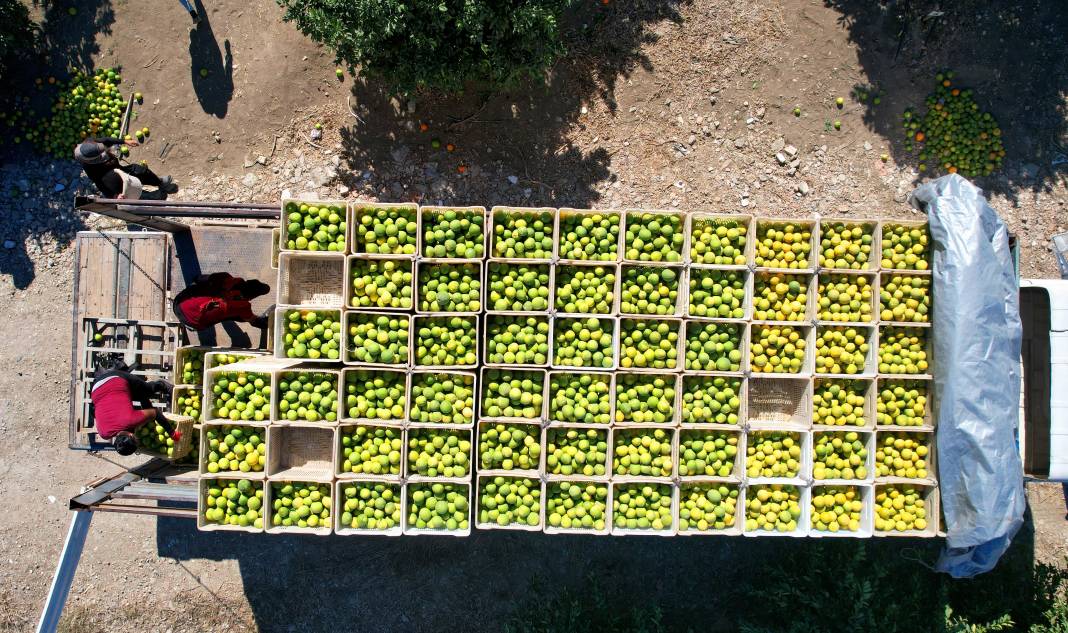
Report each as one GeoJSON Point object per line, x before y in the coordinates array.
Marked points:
{"type": "Point", "coordinates": [91, 153]}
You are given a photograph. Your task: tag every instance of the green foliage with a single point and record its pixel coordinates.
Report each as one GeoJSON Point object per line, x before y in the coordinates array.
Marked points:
{"type": "Point", "coordinates": [18, 35]}
{"type": "Point", "coordinates": [586, 611]}
{"type": "Point", "coordinates": [440, 44]}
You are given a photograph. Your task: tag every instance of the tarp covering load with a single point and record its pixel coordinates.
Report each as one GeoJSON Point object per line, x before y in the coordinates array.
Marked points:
{"type": "Point", "coordinates": [977, 336]}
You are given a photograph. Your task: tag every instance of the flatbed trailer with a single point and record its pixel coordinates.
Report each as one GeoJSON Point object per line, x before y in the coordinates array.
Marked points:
{"type": "Point", "coordinates": [127, 279]}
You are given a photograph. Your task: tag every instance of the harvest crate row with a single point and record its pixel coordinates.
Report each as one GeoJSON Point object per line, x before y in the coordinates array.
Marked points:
{"type": "Point", "coordinates": [583, 235]}
{"type": "Point", "coordinates": [381, 283]}
{"type": "Point", "coordinates": [318, 395]}
{"type": "Point", "coordinates": [637, 507]}
{"type": "Point", "coordinates": [451, 341]}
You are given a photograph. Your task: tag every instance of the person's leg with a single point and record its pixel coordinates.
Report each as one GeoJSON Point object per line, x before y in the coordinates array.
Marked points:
{"type": "Point", "coordinates": [192, 12]}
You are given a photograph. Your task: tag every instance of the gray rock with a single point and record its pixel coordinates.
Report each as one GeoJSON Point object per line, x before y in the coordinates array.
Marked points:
{"type": "Point", "coordinates": [249, 180]}
{"type": "Point", "coordinates": [1029, 171]}
{"type": "Point", "coordinates": [9, 244]}
{"type": "Point", "coordinates": [867, 146]}
{"type": "Point", "coordinates": [316, 134]}
{"type": "Point", "coordinates": [60, 187]}
{"type": "Point", "coordinates": [513, 179]}
{"type": "Point", "coordinates": [261, 159]}
{"type": "Point", "coordinates": [802, 188]}
{"type": "Point", "coordinates": [400, 153]}
{"type": "Point", "coordinates": [781, 158]}
{"type": "Point", "coordinates": [740, 142]}
{"type": "Point", "coordinates": [778, 144]}
{"type": "Point", "coordinates": [790, 150]}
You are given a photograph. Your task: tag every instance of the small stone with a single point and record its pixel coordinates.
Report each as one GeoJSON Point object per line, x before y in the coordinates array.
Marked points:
{"type": "Point", "coordinates": [802, 188]}
{"type": "Point", "coordinates": [9, 244]}
{"type": "Point", "coordinates": [778, 144]}
{"type": "Point", "coordinates": [867, 146]}
{"type": "Point", "coordinates": [781, 158]}
{"type": "Point", "coordinates": [261, 159]}
{"type": "Point", "coordinates": [760, 112]}
{"type": "Point", "coordinates": [60, 187]}
{"type": "Point", "coordinates": [248, 163]}
{"type": "Point", "coordinates": [584, 110]}
{"type": "Point", "coordinates": [740, 142]}
{"type": "Point", "coordinates": [513, 179]}
{"type": "Point", "coordinates": [692, 139]}
{"type": "Point", "coordinates": [342, 190]}
{"type": "Point", "coordinates": [790, 150]}
{"type": "Point", "coordinates": [316, 134]}
{"type": "Point", "coordinates": [1029, 171]}
{"type": "Point", "coordinates": [249, 180]}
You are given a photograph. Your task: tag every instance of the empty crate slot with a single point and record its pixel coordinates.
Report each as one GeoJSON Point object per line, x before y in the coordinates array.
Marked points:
{"type": "Point", "coordinates": [784, 400]}
{"type": "Point", "coordinates": [300, 452]}
{"type": "Point", "coordinates": [317, 280]}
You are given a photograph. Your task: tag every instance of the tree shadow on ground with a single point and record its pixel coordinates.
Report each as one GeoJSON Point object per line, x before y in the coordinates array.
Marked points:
{"type": "Point", "coordinates": [1010, 53]}
{"type": "Point", "coordinates": [506, 146]}
{"type": "Point", "coordinates": [69, 41]}
{"type": "Point", "coordinates": [211, 71]}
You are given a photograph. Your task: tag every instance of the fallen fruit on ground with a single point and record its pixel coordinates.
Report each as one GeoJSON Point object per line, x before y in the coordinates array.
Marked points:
{"type": "Point", "coordinates": [845, 245]}
{"type": "Point", "coordinates": [953, 134]}
{"type": "Point", "coordinates": [783, 245]}
{"type": "Point", "coordinates": [720, 242]}
{"type": "Point", "coordinates": [902, 350]}
{"type": "Point", "coordinates": [579, 342]}
{"type": "Point", "coordinates": [374, 395]}
{"type": "Point", "coordinates": [312, 334]}
{"type": "Point", "coordinates": [517, 340]}
{"type": "Point", "coordinates": [717, 294]}
{"type": "Point", "coordinates": [777, 349]}
{"type": "Point", "coordinates": [300, 504]}
{"type": "Point", "coordinates": [234, 448]}
{"type": "Point", "coordinates": [505, 501]}
{"type": "Point", "coordinates": [450, 288]}
{"type": "Point", "coordinates": [585, 289]}
{"type": "Point", "coordinates": [523, 234]}
{"type": "Point", "coordinates": [773, 454]}
{"type": "Point", "coordinates": [233, 502]}
{"type": "Point", "coordinates": [370, 506]}
{"type": "Point", "coordinates": [900, 508]}
{"type": "Point", "coordinates": [707, 453]}
{"type": "Point", "coordinates": [576, 451]}
{"type": "Point", "coordinates": [902, 403]}
{"type": "Point", "coordinates": [839, 403]}
{"type": "Point", "coordinates": [512, 394]}
{"type": "Point", "coordinates": [840, 455]}
{"type": "Point", "coordinates": [580, 398]}
{"type": "Point", "coordinates": [649, 290]}
{"type": "Point", "coordinates": [509, 446]}
{"type": "Point", "coordinates": [518, 287]}
{"type": "Point", "coordinates": [645, 398]}
{"type": "Point", "coordinates": [836, 508]}
{"type": "Point", "coordinates": [705, 507]}
{"type": "Point", "coordinates": [713, 346]}
{"type": "Point", "coordinates": [844, 298]}
{"type": "Point", "coordinates": [841, 350]}
{"type": "Point", "coordinates": [711, 399]}
{"type": "Point", "coordinates": [902, 455]}
{"type": "Point", "coordinates": [654, 237]}
{"type": "Point", "coordinates": [446, 341]}
{"type": "Point", "coordinates": [239, 395]}
{"type": "Point", "coordinates": [381, 284]}
{"type": "Point", "coordinates": [905, 298]}
{"type": "Point", "coordinates": [589, 236]}
{"type": "Point", "coordinates": [905, 247]}
{"type": "Point", "coordinates": [576, 505]}
{"type": "Point", "coordinates": [385, 231]}
{"type": "Point", "coordinates": [378, 338]}
{"type": "Point", "coordinates": [642, 506]}
{"type": "Point", "coordinates": [315, 226]}
{"type": "Point", "coordinates": [442, 398]}
{"type": "Point", "coordinates": [439, 452]}
{"type": "Point", "coordinates": [642, 453]}
{"type": "Point", "coordinates": [438, 506]}
{"type": "Point", "coordinates": [772, 508]}
{"type": "Point", "coordinates": [779, 297]}
{"type": "Point", "coordinates": [453, 233]}
{"type": "Point", "coordinates": [308, 397]}
{"type": "Point", "coordinates": [648, 344]}
{"type": "Point", "coordinates": [371, 450]}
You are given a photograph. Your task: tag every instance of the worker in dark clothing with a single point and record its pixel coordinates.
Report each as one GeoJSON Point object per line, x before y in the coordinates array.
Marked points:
{"type": "Point", "coordinates": [220, 297]}
{"type": "Point", "coordinates": [118, 181]}
{"type": "Point", "coordinates": [122, 402]}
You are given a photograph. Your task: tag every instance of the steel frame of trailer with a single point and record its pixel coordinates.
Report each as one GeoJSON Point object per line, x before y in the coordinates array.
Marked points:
{"type": "Point", "coordinates": [139, 490]}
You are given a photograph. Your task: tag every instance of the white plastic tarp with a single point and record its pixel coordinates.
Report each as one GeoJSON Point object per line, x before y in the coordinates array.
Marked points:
{"type": "Point", "coordinates": [977, 336]}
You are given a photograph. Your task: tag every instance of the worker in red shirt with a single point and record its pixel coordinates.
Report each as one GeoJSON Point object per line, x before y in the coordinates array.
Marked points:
{"type": "Point", "coordinates": [220, 297]}
{"type": "Point", "coordinates": [122, 402]}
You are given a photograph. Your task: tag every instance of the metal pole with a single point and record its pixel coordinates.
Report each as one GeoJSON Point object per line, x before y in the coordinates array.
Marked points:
{"type": "Point", "coordinates": [68, 564]}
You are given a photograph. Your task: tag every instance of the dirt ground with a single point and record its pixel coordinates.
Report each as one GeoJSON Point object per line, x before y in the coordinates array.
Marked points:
{"type": "Point", "coordinates": [662, 104]}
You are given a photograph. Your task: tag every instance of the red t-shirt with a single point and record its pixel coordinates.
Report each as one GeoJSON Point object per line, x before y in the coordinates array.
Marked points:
{"type": "Point", "coordinates": [113, 408]}
{"type": "Point", "coordinates": [202, 313]}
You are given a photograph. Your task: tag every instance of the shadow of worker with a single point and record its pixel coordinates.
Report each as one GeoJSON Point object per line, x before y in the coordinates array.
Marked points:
{"type": "Point", "coordinates": [213, 76]}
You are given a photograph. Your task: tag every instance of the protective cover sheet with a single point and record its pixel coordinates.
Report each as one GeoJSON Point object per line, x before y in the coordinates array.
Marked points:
{"type": "Point", "coordinates": [977, 336]}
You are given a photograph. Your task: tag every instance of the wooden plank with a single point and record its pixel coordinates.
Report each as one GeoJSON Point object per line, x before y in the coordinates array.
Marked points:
{"type": "Point", "coordinates": [148, 279]}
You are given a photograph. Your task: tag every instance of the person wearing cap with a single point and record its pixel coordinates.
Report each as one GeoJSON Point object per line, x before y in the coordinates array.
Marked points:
{"type": "Point", "coordinates": [122, 402]}
{"type": "Point", "coordinates": [220, 297]}
{"type": "Point", "coordinates": [115, 180]}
